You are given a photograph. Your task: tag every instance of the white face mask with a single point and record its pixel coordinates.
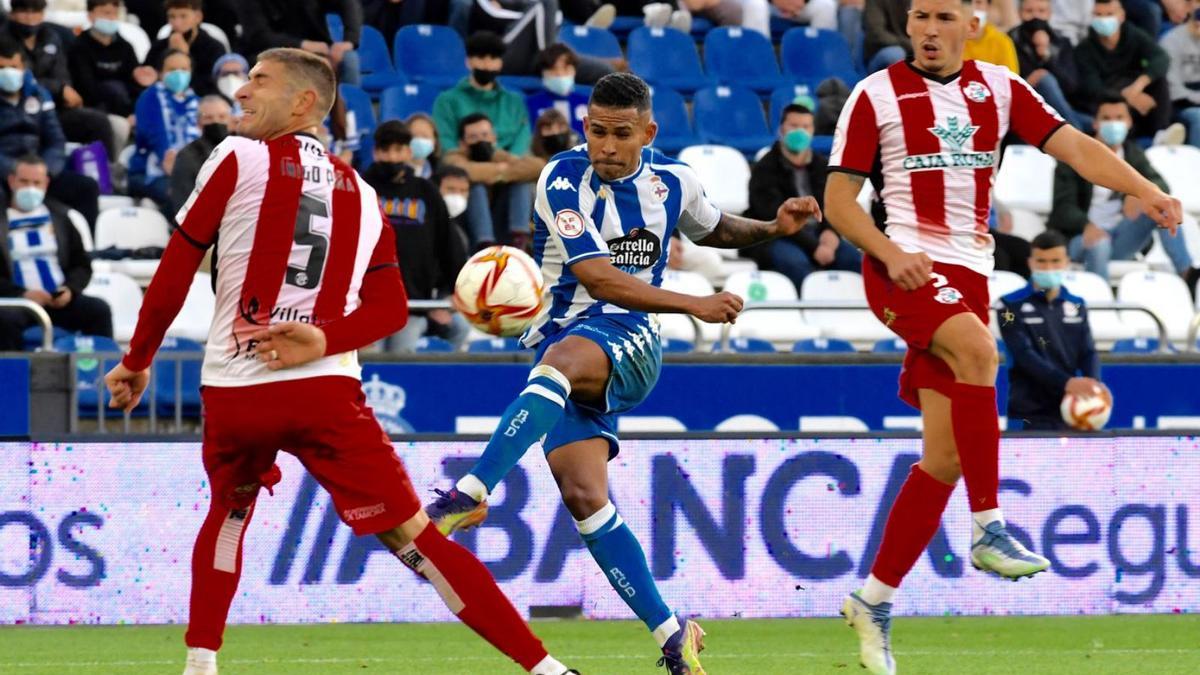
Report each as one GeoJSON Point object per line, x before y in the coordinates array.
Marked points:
{"type": "Point", "coordinates": [229, 84]}
{"type": "Point", "coordinates": [982, 15]}
{"type": "Point", "coordinates": [456, 204]}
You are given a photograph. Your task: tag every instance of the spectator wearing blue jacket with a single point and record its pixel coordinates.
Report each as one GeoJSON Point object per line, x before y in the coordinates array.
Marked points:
{"type": "Point", "coordinates": [167, 120]}
{"type": "Point", "coordinates": [1050, 348]}
{"type": "Point", "coordinates": [557, 65]}
{"type": "Point", "coordinates": [29, 126]}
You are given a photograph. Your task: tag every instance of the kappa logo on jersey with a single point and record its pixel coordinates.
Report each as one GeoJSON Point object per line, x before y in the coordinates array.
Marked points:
{"type": "Point", "coordinates": [948, 295]}
{"type": "Point", "coordinates": [569, 224]}
{"type": "Point", "coordinates": [955, 134]}
{"type": "Point", "coordinates": [561, 183]}
{"type": "Point", "coordinates": [976, 92]}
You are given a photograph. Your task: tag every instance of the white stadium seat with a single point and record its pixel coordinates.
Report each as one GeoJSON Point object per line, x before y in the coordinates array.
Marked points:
{"type": "Point", "coordinates": [131, 227]}
{"type": "Point", "coordinates": [679, 326]}
{"type": "Point", "coordinates": [123, 296]}
{"type": "Point", "coordinates": [1162, 292]}
{"type": "Point", "coordinates": [1178, 165]}
{"type": "Point", "coordinates": [723, 172]}
{"type": "Point", "coordinates": [1027, 224]}
{"type": "Point", "coordinates": [115, 201]}
{"type": "Point", "coordinates": [781, 326]}
{"type": "Point", "coordinates": [1026, 179]}
{"type": "Point", "coordinates": [858, 325]}
{"type": "Point", "coordinates": [136, 37]}
{"type": "Point", "coordinates": [195, 317]}
{"type": "Point", "coordinates": [1105, 323]}
{"type": "Point", "coordinates": [82, 227]}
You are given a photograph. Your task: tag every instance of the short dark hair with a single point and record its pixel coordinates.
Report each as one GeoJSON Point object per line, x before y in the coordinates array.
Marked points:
{"type": "Point", "coordinates": [473, 118]}
{"type": "Point", "coordinates": [31, 158]}
{"type": "Point", "coordinates": [485, 43]}
{"type": "Point", "coordinates": [550, 55]}
{"type": "Point", "coordinates": [450, 171]}
{"type": "Point", "coordinates": [392, 133]}
{"type": "Point", "coordinates": [1109, 97]}
{"type": "Point", "coordinates": [93, 4]}
{"type": "Point", "coordinates": [172, 52]}
{"type": "Point", "coordinates": [27, 6]}
{"type": "Point", "coordinates": [1048, 239]}
{"type": "Point", "coordinates": [196, 5]}
{"type": "Point", "coordinates": [796, 109]}
{"type": "Point", "coordinates": [1105, 2]}
{"type": "Point", "coordinates": [621, 90]}
{"type": "Point", "coordinates": [9, 47]}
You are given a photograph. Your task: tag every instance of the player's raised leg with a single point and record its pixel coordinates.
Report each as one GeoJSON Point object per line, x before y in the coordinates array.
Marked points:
{"type": "Point", "coordinates": [574, 365]}
{"type": "Point", "coordinates": [581, 471]}
{"type": "Point", "coordinates": [969, 349]}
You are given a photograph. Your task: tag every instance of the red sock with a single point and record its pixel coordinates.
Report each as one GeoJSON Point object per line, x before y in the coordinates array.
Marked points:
{"type": "Point", "coordinates": [977, 435]}
{"type": "Point", "coordinates": [216, 568]}
{"type": "Point", "coordinates": [468, 589]}
{"type": "Point", "coordinates": [911, 524]}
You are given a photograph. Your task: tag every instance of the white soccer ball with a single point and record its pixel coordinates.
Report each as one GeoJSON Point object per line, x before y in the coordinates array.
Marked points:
{"type": "Point", "coordinates": [499, 290]}
{"type": "Point", "coordinates": [1086, 413]}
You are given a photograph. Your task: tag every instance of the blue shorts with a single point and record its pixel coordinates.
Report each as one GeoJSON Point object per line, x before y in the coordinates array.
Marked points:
{"type": "Point", "coordinates": [634, 350]}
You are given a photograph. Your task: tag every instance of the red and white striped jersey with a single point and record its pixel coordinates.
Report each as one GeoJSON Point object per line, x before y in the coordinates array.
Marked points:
{"type": "Point", "coordinates": [937, 142]}
{"type": "Point", "coordinates": [295, 232]}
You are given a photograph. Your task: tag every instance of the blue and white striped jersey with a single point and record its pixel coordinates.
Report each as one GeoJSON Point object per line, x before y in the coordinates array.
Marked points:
{"type": "Point", "coordinates": [578, 216]}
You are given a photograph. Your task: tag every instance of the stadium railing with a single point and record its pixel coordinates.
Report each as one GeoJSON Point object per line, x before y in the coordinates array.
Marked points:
{"type": "Point", "coordinates": [1193, 330]}
{"type": "Point", "coordinates": [149, 407]}
{"type": "Point", "coordinates": [39, 313]}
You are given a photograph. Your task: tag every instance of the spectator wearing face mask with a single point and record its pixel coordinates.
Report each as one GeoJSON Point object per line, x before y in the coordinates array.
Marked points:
{"type": "Point", "coordinates": [989, 44]}
{"type": "Point", "coordinates": [167, 120]}
{"type": "Point", "coordinates": [551, 135]}
{"type": "Point", "coordinates": [557, 66]}
{"type": "Point", "coordinates": [426, 150]}
{"type": "Point", "coordinates": [429, 251]}
{"type": "Point", "coordinates": [1182, 45]}
{"type": "Point", "coordinates": [230, 72]}
{"type": "Point", "coordinates": [185, 17]}
{"type": "Point", "coordinates": [104, 68]}
{"type": "Point", "coordinates": [479, 93]}
{"type": "Point", "coordinates": [1047, 60]}
{"type": "Point", "coordinates": [214, 117]}
{"type": "Point", "coordinates": [455, 185]}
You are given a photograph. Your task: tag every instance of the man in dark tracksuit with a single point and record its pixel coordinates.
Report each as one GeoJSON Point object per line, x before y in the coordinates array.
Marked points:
{"type": "Point", "coordinates": [1049, 342]}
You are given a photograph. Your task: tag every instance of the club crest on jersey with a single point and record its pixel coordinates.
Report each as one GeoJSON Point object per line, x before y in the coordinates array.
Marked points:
{"type": "Point", "coordinates": [948, 295]}
{"type": "Point", "coordinates": [975, 91]}
{"type": "Point", "coordinates": [569, 224]}
{"type": "Point", "coordinates": [659, 189]}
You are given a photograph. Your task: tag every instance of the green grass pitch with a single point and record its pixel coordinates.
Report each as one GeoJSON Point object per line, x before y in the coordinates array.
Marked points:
{"type": "Point", "coordinates": [928, 646]}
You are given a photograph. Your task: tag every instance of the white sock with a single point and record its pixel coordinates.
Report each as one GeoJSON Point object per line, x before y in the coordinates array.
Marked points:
{"type": "Point", "coordinates": [473, 487]}
{"type": "Point", "coordinates": [875, 591]}
{"type": "Point", "coordinates": [201, 655]}
{"type": "Point", "coordinates": [549, 666]}
{"type": "Point", "coordinates": [665, 630]}
{"type": "Point", "coordinates": [985, 518]}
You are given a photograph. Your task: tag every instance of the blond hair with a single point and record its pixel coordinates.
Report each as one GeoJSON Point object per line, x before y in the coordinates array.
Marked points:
{"type": "Point", "coordinates": [306, 71]}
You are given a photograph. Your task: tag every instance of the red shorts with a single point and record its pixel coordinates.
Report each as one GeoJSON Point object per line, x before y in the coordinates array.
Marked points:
{"type": "Point", "coordinates": [326, 424]}
{"type": "Point", "coordinates": [916, 315]}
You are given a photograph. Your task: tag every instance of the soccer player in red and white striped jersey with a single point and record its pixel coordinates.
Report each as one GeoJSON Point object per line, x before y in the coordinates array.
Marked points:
{"type": "Point", "coordinates": [929, 130]}
{"type": "Point", "coordinates": [306, 274]}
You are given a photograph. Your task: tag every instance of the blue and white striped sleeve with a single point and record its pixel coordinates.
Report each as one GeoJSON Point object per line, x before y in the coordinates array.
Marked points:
{"type": "Point", "coordinates": [698, 217]}
{"type": "Point", "coordinates": [564, 203]}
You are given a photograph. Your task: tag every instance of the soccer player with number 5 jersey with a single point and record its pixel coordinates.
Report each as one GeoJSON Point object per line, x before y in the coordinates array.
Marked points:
{"type": "Point", "coordinates": [927, 132]}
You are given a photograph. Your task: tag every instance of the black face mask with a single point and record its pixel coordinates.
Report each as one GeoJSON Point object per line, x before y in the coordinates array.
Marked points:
{"type": "Point", "coordinates": [215, 133]}
{"type": "Point", "coordinates": [387, 170]}
{"type": "Point", "coordinates": [484, 77]}
{"type": "Point", "coordinates": [23, 31]}
{"type": "Point", "coordinates": [481, 151]}
{"type": "Point", "coordinates": [556, 143]}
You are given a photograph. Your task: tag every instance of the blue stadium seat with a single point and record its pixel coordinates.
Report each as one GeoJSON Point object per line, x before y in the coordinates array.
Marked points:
{"type": "Point", "coordinates": [732, 116]}
{"type": "Point", "coordinates": [742, 345]}
{"type": "Point", "coordinates": [397, 103]}
{"type": "Point", "coordinates": [494, 345]}
{"type": "Point", "coordinates": [890, 346]}
{"type": "Point", "coordinates": [823, 346]}
{"type": "Point", "coordinates": [89, 372]}
{"type": "Point", "coordinates": [32, 337]}
{"type": "Point", "coordinates": [781, 97]}
{"type": "Point", "coordinates": [378, 73]}
{"type": "Point", "coordinates": [432, 55]}
{"type": "Point", "coordinates": [736, 56]}
{"type": "Point", "coordinates": [358, 102]}
{"type": "Point", "coordinates": [622, 26]}
{"type": "Point", "coordinates": [674, 126]}
{"type": "Point", "coordinates": [596, 42]}
{"type": "Point", "coordinates": [812, 55]}
{"type": "Point", "coordinates": [337, 29]}
{"type": "Point", "coordinates": [701, 27]}
{"type": "Point", "coordinates": [822, 145]}
{"type": "Point", "coordinates": [666, 57]}
{"type": "Point", "coordinates": [1136, 346]}
{"type": "Point", "coordinates": [780, 26]}
{"type": "Point", "coordinates": [189, 378]}
{"type": "Point", "coordinates": [677, 346]}
{"type": "Point", "coordinates": [522, 84]}
{"type": "Point", "coordinates": [433, 345]}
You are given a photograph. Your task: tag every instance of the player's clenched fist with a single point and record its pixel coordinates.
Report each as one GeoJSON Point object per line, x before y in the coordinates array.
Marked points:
{"type": "Point", "coordinates": [1164, 209]}
{"type": "Point", "coordinates": [794, 214]}
{"type": "Point", "coordinates": [909, 271]}
{"type": "Point", "coordinates": [720, 307]}
{"type": "Point", "coordinates": [289, 344]}
{"type": "Point", "coordinates": [125, 387]}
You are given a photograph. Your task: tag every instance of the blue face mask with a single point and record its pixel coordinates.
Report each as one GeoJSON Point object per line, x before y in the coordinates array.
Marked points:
{"type": "Point", "coordinates": [1113, 132]}
{"type": "Point", "coordinates": [797, 140]}
{"type": "Point", "coordinates": [561, 85]}
{"type": "Point", "coordinates": [1046, 280]}
{"type": "Point", "coordinates": [177, 81]}
{"type": "Point", "coordinates": [1106, 26]}
{"type": "Point", "coordinates": [11, 79]}
{"type": "Point", "coordinates": [106, 26]}
{"type": "Point", "coordinates": [28, 198]}
{"type": "Point", "coordinates": [421, 147]}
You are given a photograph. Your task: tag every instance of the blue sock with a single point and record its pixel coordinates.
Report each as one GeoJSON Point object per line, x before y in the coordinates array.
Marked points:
{"type": "Point", "coordinates": [527, 419]}
{"type": "Point", "coordinates": [620, 555]}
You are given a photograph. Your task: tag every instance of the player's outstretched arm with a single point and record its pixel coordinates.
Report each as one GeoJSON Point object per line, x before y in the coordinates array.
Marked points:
{"type": "Point", "coordinates": [908, 270]}
{"type": "Point", "coordinates": [738, 232]}
{"type": "Point", "coordinates": [609, 284]}
{"type": "Point", "coordinates": [1096, 163]}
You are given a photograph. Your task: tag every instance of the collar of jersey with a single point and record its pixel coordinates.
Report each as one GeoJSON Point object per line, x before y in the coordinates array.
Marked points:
{"type": "Point", "coordinates": [930, 76]}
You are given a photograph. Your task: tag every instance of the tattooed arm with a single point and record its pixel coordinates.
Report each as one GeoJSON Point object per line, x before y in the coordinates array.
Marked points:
{"type": "Point", "coordinates": [738, 232]}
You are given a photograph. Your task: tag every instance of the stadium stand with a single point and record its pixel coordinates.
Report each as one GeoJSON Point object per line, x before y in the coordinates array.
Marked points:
{"type": "Point", "coordinates": [433, 345]}
{"type": "Point", "coordinates": [811, 54]}
{"type": "Point", "coordinates": [783, 326]}
{"type": "Point", "coordinates": [890, 346]}
{"type": "Point", "coordinates": [823, 346]}
{"type": "Point", "coordinates": [785, 95]}
{"type": "Point", "coordinates": [732, 116]}
{"type": "Point", "coordinates": [400, 101]}
{"type": "Point", "coordinates": [378, 72]}
{"type": "Point", "coordinates": [1106, 325]}
{"type": "Point", "coordinates": [1026, 179]}
{"type": "Point", "coordinates": [597, 42]}
{"type": "Point", "coordinates": [358, 102]}
{"type": "Point", "coordinates": [674, 124]}
{"type": "Point", "coordinates": [676, 346]}
{"type": "Point", "coordinates": [1140, 345]}
{"type": "Point", "coordinates": [859, 326]}
{"type": "Point", "coordinates": [195, 317]}
{"type": "Point", "coordinates": [723, 172]}
{"type": "Point", "coordinates": [130, 228]}
{"type": "Point", "coordinates": [1179, 165]}
{"type": "Point", "coordinates": [735, 56]}
{"type": "Point", "coordinates": [744, 345]}
{"type": "Point", "coordinates": [123, 296]}
{"type": "Point", "coordinates": [677, 326]}
{"type": "Point", "coordinates": [185, 371]}
{"type": "Point", "coordinates": [432, 55]}
{"type": "Point", "coordinates": [1163, 293]}
{"type": "Point", "coordinates": [666, 57]}
{"type": "Point", "coordinates": [494, 345]}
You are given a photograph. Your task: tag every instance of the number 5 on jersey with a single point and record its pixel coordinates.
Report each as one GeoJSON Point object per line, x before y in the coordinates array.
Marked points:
{"type": "Point", "coordinates": [308, 275]}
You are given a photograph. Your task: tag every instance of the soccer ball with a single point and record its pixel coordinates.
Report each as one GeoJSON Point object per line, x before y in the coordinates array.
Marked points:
{"type": "Point", "coordinates": [499, 291]}
{"type": "Point", "coordinates": [1086, 413]}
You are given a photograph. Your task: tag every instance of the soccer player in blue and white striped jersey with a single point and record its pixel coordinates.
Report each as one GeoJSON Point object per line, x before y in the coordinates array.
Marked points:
{"type": "Point", "coordinates": [604, 215]}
